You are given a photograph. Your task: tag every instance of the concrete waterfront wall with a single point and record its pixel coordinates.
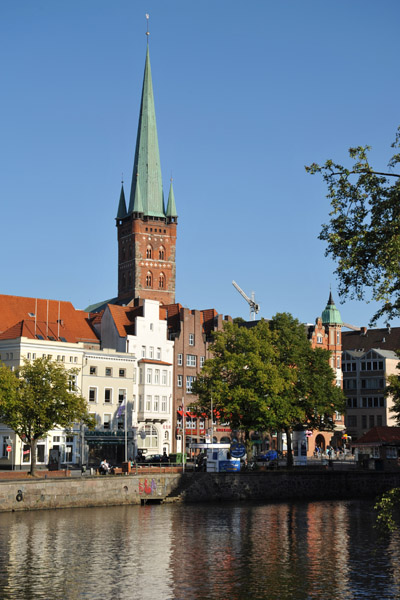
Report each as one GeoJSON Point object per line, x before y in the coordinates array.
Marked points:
{"type": "Point", "coordinates": [193, 487]}
{"type": "Point", "coordinates": [288, 485]}
{"type": "Point", "coordinates": [85, 491]}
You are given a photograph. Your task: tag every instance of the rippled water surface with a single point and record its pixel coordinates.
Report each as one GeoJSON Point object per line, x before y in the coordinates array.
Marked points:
{"type": "Point", "coordinates": [318, 550]}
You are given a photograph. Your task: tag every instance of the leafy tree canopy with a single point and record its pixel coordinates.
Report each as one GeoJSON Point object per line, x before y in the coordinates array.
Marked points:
{"type": "Point", "coordinates": [268, 377]}
{"type": "Point", "coordinates": [363, 234]}
{"type": "Point", "coordinates": [37, 397]}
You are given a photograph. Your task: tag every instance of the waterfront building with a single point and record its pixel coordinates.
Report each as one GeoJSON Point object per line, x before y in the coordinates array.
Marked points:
{"type": "Point", "coordinates": [369, 357]}
{"type": "Point", "coordinates": [191, 331]}
{"type": "Point", "coordinates": [142, 331]}
{"type": "Point", "coordinates": [33, 328]}
{"type": "Point", "coordinates": [327, 334]}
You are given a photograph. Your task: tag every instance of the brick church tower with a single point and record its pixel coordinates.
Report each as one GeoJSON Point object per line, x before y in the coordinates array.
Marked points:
{"type": "Point", "coordinates": [146, 230]}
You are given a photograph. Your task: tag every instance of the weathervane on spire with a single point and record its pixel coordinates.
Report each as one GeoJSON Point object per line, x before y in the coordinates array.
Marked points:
{"type": "Point", "coordinates": [147, 32]}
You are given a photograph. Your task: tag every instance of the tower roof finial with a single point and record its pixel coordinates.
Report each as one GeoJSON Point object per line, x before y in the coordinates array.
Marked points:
{"type": "Point", "coordinates": [147, 32]}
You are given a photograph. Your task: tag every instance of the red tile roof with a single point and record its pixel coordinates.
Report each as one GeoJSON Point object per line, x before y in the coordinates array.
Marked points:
{"type": "Point", "coordinates": [124, 318]}
{"type": "Point", "coordinates": [378, 436]}
{"type": "Point", "coordinates": [30, 317]}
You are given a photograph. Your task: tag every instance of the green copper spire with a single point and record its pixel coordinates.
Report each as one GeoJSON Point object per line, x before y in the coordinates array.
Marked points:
{"type": "Point", "coordinates": [122, 204]}
{"type": "Point", "coordinates": [171, 207]}
{"type": "Point", "coordinates": [331, 315]}
{"type": "Point", "coordinates": [137, 203]}
{"type": "Point", "coordinates": [146, 168]}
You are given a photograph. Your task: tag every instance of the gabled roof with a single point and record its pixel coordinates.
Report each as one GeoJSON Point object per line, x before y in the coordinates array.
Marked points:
{"type": "Point", "coordinates": [51, 319]}
{"type": "Point", "coordinates": [124, 318]}
{"type": "Point", "coordinates": [379, 436]}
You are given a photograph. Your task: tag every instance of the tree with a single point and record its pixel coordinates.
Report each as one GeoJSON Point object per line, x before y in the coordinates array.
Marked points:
{"type": "Point", "coordinates": [363, 234]}
{"type": "Point", "coordinates": [268, 378]}
{"type": "Point", "coordinates": [37, 397]}
{"type": "Point", "coordinates": [311, 397]}
{"type": "Point", "coordinates": [240, 378]}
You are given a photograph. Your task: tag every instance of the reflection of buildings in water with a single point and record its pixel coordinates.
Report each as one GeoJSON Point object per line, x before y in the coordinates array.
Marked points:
{"type": "Point", "coordinates": [99, 552]}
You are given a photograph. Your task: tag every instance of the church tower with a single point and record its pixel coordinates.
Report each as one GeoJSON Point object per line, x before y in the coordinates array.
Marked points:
{"type": "Point", "coordinates": [146, 229]}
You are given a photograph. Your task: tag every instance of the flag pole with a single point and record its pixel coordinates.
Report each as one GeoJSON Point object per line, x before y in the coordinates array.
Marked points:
{"type": "Point", "coordinates": [126, 430]}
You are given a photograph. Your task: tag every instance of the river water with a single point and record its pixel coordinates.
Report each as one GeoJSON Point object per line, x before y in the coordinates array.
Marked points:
{"type": "Point", "coordinates": [319, 550]}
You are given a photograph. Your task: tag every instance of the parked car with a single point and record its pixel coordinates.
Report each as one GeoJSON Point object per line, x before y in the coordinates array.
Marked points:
{"type": "Point", "coordinates": [267, 456]}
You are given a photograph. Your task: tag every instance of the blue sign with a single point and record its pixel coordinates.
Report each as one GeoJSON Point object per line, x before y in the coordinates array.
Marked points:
{"type": "Point", "coordinates": [237, 450]}
{"type": "Point", "coordinates": [227, 466]}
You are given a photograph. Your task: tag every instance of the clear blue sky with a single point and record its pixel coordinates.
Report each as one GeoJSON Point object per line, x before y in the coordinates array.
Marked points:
{"type": "Point", "coordinates": [246, 94]}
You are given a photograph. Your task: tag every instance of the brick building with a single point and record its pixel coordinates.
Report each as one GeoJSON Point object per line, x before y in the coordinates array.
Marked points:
{"type": "Point", "coordinates": [369, 357]}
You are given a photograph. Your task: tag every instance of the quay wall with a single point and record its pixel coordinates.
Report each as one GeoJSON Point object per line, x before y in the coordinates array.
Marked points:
{"type": "Point", "coordinates": [275, 486]}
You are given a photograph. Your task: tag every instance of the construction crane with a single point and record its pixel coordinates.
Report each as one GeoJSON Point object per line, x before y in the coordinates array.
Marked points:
{"type": "Point", "coordinates": [254, 307]}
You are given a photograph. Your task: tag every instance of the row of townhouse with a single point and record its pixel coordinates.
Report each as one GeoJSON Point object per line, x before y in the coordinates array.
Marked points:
{"type": "Point", "coordinates": [128, 389]}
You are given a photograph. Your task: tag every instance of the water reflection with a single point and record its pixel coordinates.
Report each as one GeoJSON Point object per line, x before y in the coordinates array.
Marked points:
{"type": "Point", "coordinates": [303, 551]}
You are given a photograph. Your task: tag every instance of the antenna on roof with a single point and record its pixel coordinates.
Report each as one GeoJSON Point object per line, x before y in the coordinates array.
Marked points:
{"type": "Point", "coordinates": [35, 314]}
{"type": "Point", "coordinates": [47, 320]}
{"type": "Point", "coordinates": [58, 321]}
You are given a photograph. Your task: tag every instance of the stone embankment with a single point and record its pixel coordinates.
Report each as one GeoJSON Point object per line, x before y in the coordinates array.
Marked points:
{"type": "Point", "coordinates": [304, 485]}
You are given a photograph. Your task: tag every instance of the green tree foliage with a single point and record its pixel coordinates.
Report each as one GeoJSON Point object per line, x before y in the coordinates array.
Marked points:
{"type": "Point", "coordinates": [39, 396]}
{"type": "Point", "coordinates": [310, 398]}
{"type": "Point", "coordinates": [363, 234]}
{"type": "Point", "coordinates": [240, 377]}
{"type": "Point", "coordinates": [268, 378]}
{"type": "Point", "coordinates": [388, 507]}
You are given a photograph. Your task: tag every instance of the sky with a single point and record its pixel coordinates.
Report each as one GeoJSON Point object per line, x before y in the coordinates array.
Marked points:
{"type": "Point", "coordinates": [246, 95]}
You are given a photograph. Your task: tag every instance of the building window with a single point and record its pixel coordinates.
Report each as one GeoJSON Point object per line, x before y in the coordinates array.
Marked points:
{"type": "Point", "coordinates": [161, 281]}
{"type": "Point", "coordinates": [92, 370]}
{"type": "Point", "coordinates": [149, 375]}
{"type": "Point", "coordinates": [338, 416]}
{"type": "Point", "coordinates": [164, 404]}
{"type": "Point", "coordinates": [92, 394]}
{"type": "Point", "coordinates": [121, 396]}
{"type": "Point", "coordinates": [149, 252]}
{"type": "Point", "coordinates": [143, 351]}
{"type": "Point", "coordinates": [150, 439]}
{"type": "Point", "coordinates": [191, 360]}
{"type": "Point", "coordinates": [351, 421]}
{"type": "Point", "coordinates": [164, 378]}
{"type": "Point", "coordinates": [149, 279]}
{"type": "Point", "coordinates": [151, 352]}
{"type": "Point", "coordinates": [106, 421]}
{"type": "Point", "coordinates": [191, 339]}
{"type": "Point", "coordinates": [122, 372]}
{"type": "Point", "coordinates": [180, 380]}
{"type": "Point", "coordinates": [319, 339]}
{"type": "Point", "coordinates": [72, 382]}
{"type": "Point", "coordinates": [157, 376]}
{"type": "Point", "coordinates": [180, 360]}
{"type": "Point", "coordinates": [161, 254]}
{"type": "Point", "coordinates": [338, 363]}
{"type": "Point", "coordinates": [148, 403]}
{"type": "Point", "coordinates": [364, 421]}
{"type": "Point", "coordinates": [189, 383]}
{"type": "Point", "coordinates": [202, 360]}
{"type": "Point", "coordinates": [156, 403]}
{"type": "Point", "coordinates": [158, 353]}
{"type": "Point", "coordinates": [371, 421]}
{"type": "Point", "coordinates": [379, 421]}
{"type": "Point", "coordinates": [338, 337]}
{"type": "Point", "coordinates": [108, 372]}
{"type": "Point", "coordinates": [108, 395]}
